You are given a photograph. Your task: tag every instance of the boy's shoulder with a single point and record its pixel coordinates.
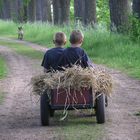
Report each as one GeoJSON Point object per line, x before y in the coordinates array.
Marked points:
{"type": "Point", "coordinates": [53, 52]}
{"type": "Point", "coordinates": [74, 49]}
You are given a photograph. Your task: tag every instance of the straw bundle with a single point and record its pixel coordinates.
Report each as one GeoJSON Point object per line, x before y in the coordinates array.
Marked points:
{"type": "Point", "coordinates": [74, 78]}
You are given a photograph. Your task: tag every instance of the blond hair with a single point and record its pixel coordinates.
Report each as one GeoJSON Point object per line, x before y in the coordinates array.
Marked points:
{"type": "Point", "coordinates": [60, 38]}
{"type": "Point", "coordinates": [76, 36]}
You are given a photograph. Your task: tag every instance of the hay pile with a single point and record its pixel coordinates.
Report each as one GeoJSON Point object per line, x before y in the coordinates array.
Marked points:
{"type": "Point", "coordinates": [74, 78]}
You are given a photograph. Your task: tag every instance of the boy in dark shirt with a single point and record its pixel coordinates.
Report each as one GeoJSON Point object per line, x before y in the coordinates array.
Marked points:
{"type": "Point", "coordinates": [74, 55]}
{"type": "Point", "coordinates": [52, 56]}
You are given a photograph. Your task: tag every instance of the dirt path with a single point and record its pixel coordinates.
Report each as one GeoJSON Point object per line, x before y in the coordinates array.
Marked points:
{"type": "Point", "coordinates": [121, 123]}
{"type": "Point", "coordinates": [19, 117]}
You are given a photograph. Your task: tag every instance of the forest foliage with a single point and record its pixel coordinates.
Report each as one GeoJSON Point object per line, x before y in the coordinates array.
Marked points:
{"type": "Point", "coordinates": [118, 16]}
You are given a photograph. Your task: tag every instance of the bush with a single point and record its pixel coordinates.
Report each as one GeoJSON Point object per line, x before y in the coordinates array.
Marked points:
{"type": "Point", "coordinates": [135, 28]}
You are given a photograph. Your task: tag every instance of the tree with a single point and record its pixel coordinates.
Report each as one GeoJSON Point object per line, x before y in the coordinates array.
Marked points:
{"type": "Point", "coordinates": [14, 10]}
{"type": "Point", "coordinates": [31, 10]}
{"type": "Point", "coordinates": [56, 11]}
{"type": "Point", "coordinates": [39, 10]}
{"type": "Point", "coordinates": [79, 10]}
{"type": "Point", "coordinates": [85, 10]}
{"type": "Point", "coordinates": [65, 11]}
{"type": "Point", "coordinates": [136, 7]}
{"type": "Point", "coordinates": [46, 10]}
{"type": "Point", "coordinates": [119, 14]}
{"type": "Point", "coordinates": [90, 12]}
{"type": "Point", "coordinates": [61, 10]}
{"type": "Point", "coordinates": [5, 9]}
{"type": "Point", "coordinates": [20, 10]}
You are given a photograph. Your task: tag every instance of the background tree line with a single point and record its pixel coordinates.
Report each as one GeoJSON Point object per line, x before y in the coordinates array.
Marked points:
{"type": "Point", "coordinates": [116, 12]}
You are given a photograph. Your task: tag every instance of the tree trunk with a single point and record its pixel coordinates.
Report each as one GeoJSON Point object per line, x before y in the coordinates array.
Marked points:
{"type": "Point", "coordinates": [119, 15]}
{"type": "Point", "coordinates": [5, 9]}
{"type": "Point", "coordinates": [61, 10]}
{"type": "Point", "coordinates": [65, 11]}
{"type": "Point", "coordinates": [14, 10]}
{"type": "Point", "coordinates": [2, 9]}
{"type": "Point", "coordinates": [31, 11]}
{"type": "Point", "coordinates": [79, 10]}
{"type": "Point", "coordinates": [136, 7]}
{"type": "Point", "coordinates": [39, 10]}
{"type": "Point", "coordinates": [90, 12]}
{"type": "Point", "coordinates": [46, 10]}
{"type": "Point", "coordinates": [56, 11]}
{"type": "Point", "coordinates": [20, 10]}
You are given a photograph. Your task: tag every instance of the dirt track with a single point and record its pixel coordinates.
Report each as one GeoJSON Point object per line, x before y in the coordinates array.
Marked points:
{"type": "Point", "coordinates": [19, 116]}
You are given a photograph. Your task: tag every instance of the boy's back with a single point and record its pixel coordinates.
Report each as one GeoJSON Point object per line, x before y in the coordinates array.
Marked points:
{"type": "Point", "coordinates": [74, 55]}
{"type": "Point", "coordinates": [51, 58]}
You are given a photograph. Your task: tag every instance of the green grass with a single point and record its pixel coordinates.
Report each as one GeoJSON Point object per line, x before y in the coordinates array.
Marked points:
{"type": "Point", "coordinates": [3, 72]}
{"type": "Point", "coordinates": [78, 127]}
{"type": "Point", "coordinates": [3, 69]}
{"type": "Point", "coordinates": [23, 50]}
{"type": "Point", "coordinates": [103, 47]}
{"type": "Point", "coordinates": [137, 114]}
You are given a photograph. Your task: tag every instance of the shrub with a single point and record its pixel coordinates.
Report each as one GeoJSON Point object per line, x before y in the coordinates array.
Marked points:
{"type": "Point", "coordinates": [135, 28]}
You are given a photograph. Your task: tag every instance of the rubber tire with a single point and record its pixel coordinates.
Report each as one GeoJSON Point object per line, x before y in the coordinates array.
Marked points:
{"type": "Point", "coordinates": [100, 109]}
{"type": "Point", "coordinates": [44, 110]}
{"type": "Point", "coordinates": [106, 101]}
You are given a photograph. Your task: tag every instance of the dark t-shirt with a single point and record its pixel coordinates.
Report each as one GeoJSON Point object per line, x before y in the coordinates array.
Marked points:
{"type": "Point", "coordinates": [51, 59]}
{"type": "Point", "coordinates": [74, 55]}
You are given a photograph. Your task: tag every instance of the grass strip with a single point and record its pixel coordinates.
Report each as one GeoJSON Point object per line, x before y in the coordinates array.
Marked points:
{"type": "Point", "coordinates": [3, 69]}
{"type": "Point", "coordinates": [83, 127]}
{"type": "Point", "coordinates": [23, 50]}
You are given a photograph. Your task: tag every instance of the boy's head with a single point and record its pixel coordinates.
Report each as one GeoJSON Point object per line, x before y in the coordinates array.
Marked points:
{"type": "Point", "coordinates": [76, 37]}
{"type": "Point", "coordinates": [59, 39]}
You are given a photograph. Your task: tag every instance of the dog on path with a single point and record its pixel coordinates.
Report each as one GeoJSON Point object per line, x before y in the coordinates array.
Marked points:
{"type": "Point", "coordinates": [20, 33]}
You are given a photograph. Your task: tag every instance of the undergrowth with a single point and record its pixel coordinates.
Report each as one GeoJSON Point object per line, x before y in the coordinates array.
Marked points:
{"type": "Point", "coordinates": [114, 50]}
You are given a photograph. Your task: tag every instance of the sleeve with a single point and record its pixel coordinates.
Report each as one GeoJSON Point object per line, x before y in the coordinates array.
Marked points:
{"type": "Point", "coordinates": [45, 62]}
{"type": "Point", "coordinates": [85, 60]}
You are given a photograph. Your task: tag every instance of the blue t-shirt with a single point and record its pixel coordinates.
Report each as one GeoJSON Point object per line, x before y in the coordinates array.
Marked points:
{"type": "Point", "coordinates": [51, 59]}
{"type": "Point", "coordinates": [74, 56]}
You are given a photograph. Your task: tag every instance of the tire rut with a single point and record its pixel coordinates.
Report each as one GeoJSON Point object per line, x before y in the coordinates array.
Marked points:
{"type": "Point", "coordinates": [19, 115]}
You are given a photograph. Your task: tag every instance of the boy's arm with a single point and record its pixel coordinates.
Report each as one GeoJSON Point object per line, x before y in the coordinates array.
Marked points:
{"type": "Point", "coordinates": [45, 63]}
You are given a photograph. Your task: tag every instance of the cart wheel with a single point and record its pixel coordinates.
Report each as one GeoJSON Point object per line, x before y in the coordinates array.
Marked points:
{"type": "Point", "coordinates": [106, 101]}
{"type": "Point", "coordinates": [100, 109]}
{"type": "Point", "coordinates": [44, 109]}
{"type": "Point", "coordinates": [52, 112]}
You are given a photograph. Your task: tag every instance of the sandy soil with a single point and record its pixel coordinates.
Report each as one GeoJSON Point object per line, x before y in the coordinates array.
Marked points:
{"type": "Point", "coordinates": [121, 121]}
{"type": "Point", "coordinates": [19, 115]}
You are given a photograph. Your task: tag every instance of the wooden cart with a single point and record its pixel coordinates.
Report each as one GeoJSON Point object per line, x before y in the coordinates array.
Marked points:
{"type": "Point", "coordinates": [58, 100]}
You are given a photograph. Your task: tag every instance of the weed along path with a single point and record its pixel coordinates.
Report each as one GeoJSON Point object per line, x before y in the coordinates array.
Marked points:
{"type": "Point", "coordinates": [19, 115]}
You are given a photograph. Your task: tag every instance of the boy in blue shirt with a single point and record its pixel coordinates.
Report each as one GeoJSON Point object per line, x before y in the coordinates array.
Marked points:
{"type": "Point", "coordinates": [75, 55]}
{"type": "Point", "coordinates": [52, 56]}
